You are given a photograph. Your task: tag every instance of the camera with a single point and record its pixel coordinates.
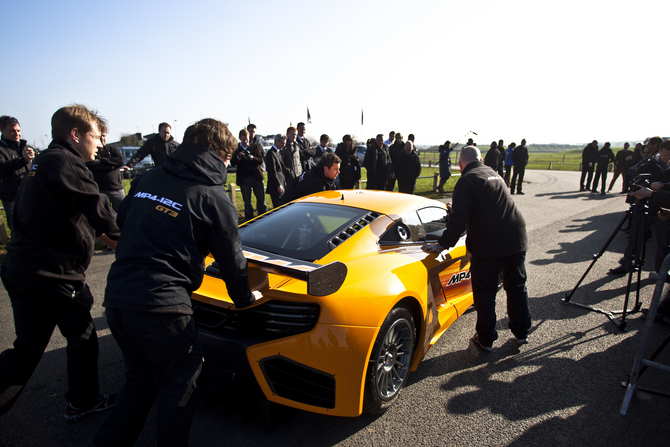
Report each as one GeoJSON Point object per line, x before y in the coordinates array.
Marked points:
{"type": "Point", "coordinates": [638, 182]}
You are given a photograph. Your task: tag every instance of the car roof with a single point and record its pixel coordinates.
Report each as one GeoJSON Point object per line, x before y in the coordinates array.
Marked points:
{"type": "Point", "coordinates": [389, 203]}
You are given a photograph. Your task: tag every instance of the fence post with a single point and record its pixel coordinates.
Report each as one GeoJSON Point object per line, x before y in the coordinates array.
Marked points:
{"type": "Point", "coordinates": [232, 194]}
{"type": "Point", "coordinates": [550, 165]}
{"type": "Point", "coordinates": [430, 163]}
{"type": "Point", "coordinates": [358, 184]}
{"type": "Point", "coordinates": [435, 176]}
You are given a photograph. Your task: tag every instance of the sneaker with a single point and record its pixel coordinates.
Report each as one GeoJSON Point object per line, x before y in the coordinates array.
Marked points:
{"type": "Point", "coordinates": [521, 341]}
{"type": "Point", "coordinates": [479, 345]}
{"type": "Point", "coordinates": [102, 402]}
{"type": "Point", "coordinates": [520, 193]}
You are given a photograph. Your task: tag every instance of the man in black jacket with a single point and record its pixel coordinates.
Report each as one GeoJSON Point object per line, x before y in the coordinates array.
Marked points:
{"type": "Point", "coordinates": [173, 217]}
{"type": "Point", "coordinates": [307, 152]}
{"type": "Point", "coordinates": [275, 169]}
{"type": "Point", "coordinates": [290, 156]}
{"type": "Point", "coordinates": [56, 211]}
{"type": "Point", "coordinates": [605, 157]}
{"type": "Point", "coordinates": [407, 168]}
{"type": "Point", "coordinates": [395, 149]}
{"type": "Point", "coordinates": [320, 178]}
{"type": "Point", "coordinates": [376, 162]}
{"type": "Point", "coordinates": [106, 171]}
{"type": "Point", "coordinates": [483, 206]}
{"type": "Point", "coordinates": [159, 146]}
{"type": "Point", "coordinates": [249, 161]}
{"type": "Point", "coordinates": [520, 159]}
{"type": "Point", "coordinates": [492, 157]}
{"type": "Point", "coordinates": [622, 161]}
{"type": "Point", "coordinates": [589, 159]}
{"type": "Point", "coordinates": [15, 160]}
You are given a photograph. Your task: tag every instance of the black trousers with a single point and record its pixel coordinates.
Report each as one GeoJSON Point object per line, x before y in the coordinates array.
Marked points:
{"type": "Point", "coordinates": [40, 304]}
{"type": "Point", "coordinates": [586, 171]}
{"type": "Point", "coordinates": [485, 274]}
{"type": "Point", "coordinates": [600, 173]}
{"type": "Point", "coordinates": [406, 187]}
{"type": "Point", "coordinates": [519, 172]}
{"type": "Point", "coordinates": [163, 359]}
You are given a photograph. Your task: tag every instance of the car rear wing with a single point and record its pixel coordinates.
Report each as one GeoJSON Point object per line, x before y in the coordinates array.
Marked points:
{"type": "Point", "coordinates": [321, 280]}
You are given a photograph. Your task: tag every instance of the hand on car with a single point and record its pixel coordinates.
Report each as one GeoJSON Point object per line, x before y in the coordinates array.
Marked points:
{"type": "Point", "coordinates": [432, 248]}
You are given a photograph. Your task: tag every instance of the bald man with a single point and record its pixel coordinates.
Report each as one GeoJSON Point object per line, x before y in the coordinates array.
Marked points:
{"type": "Point", "coordinates": [497, 242]}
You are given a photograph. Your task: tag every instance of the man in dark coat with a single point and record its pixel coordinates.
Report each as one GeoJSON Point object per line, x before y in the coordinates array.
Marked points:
{"type": "Point", "coordinates": [350, 166]}
{"type": "Point", "coordinates": [407, 168]}
{"type": "Point", "coordinates": [291, 156]}
{"type": "Point", "coordinates": [483, 205]}
{"type": "Point", "coordinates": [605, 157]}
{"type": "Point", "coordinates": [57, 211]}
{"type": "Point", "coordinates": [501, 159]}
{"type": "Point", "coordinates": [275, 169]}
{"type": "Point", "coordinates": [520, 160]}
{"type": "Point", "coordinates": [622, 161]}
{"type": "Point", "coordinates": [376, 163]}
{"type": "Point", "coordinates": [159, 146]}
{"type": "Point", "coordinates": [395, 149]}
{"type": "Point", "coordinates": [492, 158]}
{"type": "Point", "coordinates": [307, 152]}
{"type": "Point", "coordinates": [15, 161]}
{"type": "Point", "coordinates": [445, 165]}
{"type": "Point", "coordinates": [320, 178]}
{"type": "Point", "coordinates": [249, 159]}
{"type": "Point", "coordinates": [173, 217]}
{"type": "Point", "coordinates": [589, 159]}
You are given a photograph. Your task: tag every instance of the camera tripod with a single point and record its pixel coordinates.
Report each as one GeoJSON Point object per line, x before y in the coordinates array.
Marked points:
{"type": "Point", "coordinates": [632, 261]}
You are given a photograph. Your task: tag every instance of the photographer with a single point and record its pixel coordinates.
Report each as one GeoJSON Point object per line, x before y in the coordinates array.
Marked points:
{"type": "Point", "coordinates": [657, 166]}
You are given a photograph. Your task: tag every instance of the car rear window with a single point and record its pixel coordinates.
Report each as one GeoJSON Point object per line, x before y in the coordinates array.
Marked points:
{"type": "Point", "coordinates": [300, 230]}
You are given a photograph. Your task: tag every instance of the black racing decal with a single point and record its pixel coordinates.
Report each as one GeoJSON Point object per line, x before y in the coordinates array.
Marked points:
{"type": "Point", "coordinates": [456, 278]}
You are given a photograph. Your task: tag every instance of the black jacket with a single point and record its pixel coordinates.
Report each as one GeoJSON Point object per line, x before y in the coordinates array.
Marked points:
{"type": "Point", "coordinates": [605, 157]}
{"type": "Point", "coordinates": [307, 152]}
{"type": "Point", "coordinates": [290, 156]}
{"type": "Point", "coordinates": [407, 167]}
{"type": "Point", "coordinates": [55, 208]}
{"type": "Point", "coordinates": [483, 205]}
{"type": "Point", "coordinates": [520, 156]}
{"type": "Point", "coordinates": [589, 155]}
{"type": "Point", "coordinates": [492, 158]}
{"type": "Point", "coordinates": [376, 163]}
{"type": "Point", "coordinates": [350, 167]}
{"type": "Point", "coordinates": [13, 168]}
{"type": "Point", "coordinates": [105, 168]}
{"type": "Point", "coordinates": [249, 163]}
{"type": "Point", "coordinates": [275, 170]}
{"type": "Point", "coordinates": [171, 219]}
{"type": "Point", "coordinates": [309, 182]}
{"type": "Point", "coordinates": [159, 150]}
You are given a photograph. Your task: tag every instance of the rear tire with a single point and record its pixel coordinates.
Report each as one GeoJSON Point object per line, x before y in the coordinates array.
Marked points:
{"type": "Point", "coordinates": [388, 367]}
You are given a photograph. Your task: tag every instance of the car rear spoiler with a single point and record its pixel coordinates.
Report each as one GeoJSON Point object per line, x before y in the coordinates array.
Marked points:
{"type": "Point", "coordinates": [321, 280]}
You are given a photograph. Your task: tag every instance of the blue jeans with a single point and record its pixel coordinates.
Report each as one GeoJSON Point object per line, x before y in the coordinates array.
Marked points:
{"type": "Point", "coordinates": [163, 358]}
{"type": "Point", "coordinates": [40, 304]}
{"type": "Point", "coordinates": [253, 184]}
{"type": "Point", "coordinates": [485, 274]}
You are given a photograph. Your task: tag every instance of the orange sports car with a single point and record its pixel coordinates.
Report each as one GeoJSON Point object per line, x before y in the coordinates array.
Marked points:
{"type": "Point", "coordinates": [351, 304]}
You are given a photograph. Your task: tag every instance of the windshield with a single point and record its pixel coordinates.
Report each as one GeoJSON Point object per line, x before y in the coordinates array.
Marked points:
{"type": "Point", "coordinates": [300, 230]}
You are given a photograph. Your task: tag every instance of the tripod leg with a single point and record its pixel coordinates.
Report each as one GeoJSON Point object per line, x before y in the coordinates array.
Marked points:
{"type": "Point", "coordinates": [597, 256]}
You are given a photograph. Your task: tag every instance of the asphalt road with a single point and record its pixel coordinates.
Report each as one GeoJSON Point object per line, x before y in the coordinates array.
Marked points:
{"type": "Point", "coordinates": [563, 389]}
